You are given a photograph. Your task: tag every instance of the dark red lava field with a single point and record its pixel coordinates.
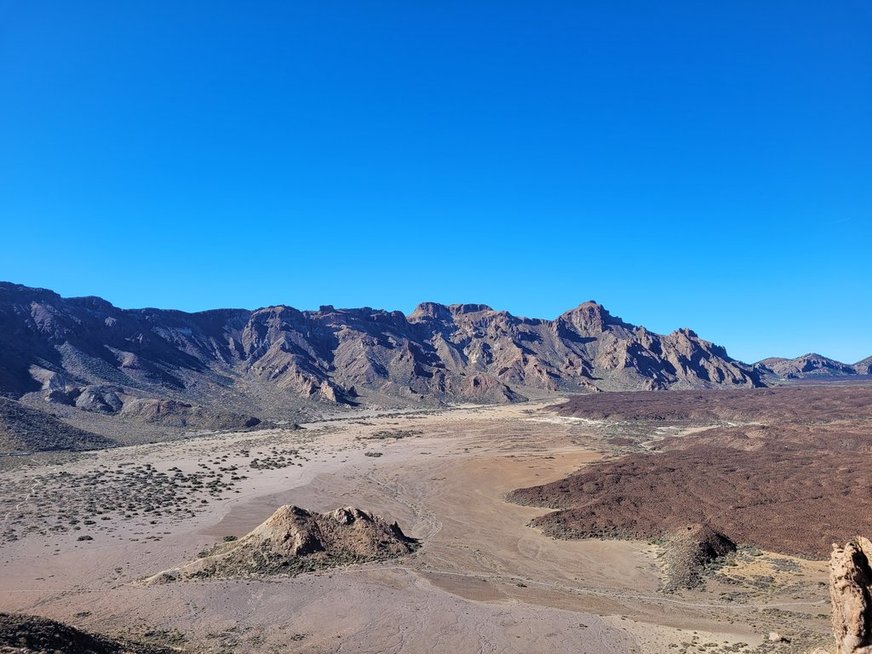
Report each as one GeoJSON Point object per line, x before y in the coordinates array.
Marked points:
{"type": "Point", "coordinates": [786, 469]}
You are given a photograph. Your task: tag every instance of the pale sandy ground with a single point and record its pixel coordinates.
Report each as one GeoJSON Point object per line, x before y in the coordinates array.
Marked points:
{"type": "Point", "coordinates": [482, 582]}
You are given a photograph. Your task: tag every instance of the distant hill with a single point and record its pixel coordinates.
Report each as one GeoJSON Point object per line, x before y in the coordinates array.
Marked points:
{"type": "Point", "coordinates": [234, 366]}
{"type": "Point", "coordinates": [811, 366]}
{"type": "Point", "coordinates": [23, 429]}
{"type": "Point", "coordinates": [864, 367]}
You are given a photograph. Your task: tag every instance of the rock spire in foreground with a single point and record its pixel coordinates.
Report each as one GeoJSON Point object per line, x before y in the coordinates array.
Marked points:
{"type": "Point", "coordinates": [851, 593]}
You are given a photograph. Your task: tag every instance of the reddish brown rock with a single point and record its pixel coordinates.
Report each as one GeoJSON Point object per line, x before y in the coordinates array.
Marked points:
{"type": "Point", "coordinates": [851, 593]}
{"type": "Point", "coordinates": [759, 463]}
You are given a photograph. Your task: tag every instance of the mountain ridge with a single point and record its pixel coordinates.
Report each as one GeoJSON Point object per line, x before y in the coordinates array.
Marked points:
{"type": "Point", "coordinates": [811, 365]}
{"type": "Point", "coordinates": [231, 368]}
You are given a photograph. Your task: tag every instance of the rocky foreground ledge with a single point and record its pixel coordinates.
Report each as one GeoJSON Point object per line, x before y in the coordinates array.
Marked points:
{"type": "Point", "coordinates": [27, 634]}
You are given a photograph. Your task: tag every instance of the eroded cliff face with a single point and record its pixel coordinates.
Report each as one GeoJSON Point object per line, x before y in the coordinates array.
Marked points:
{"type": "Point", "coordinates": [89, 355]}
{"type": "Point", "coordinates": [851, 593]}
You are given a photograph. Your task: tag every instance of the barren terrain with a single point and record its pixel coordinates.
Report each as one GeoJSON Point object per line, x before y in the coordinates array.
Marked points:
{"type": "Point", "coordinates": [80, 536]}
{"type": "Point", "coordinates": [784, 469]}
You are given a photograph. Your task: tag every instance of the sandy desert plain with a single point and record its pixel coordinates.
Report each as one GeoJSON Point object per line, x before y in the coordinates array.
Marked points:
{"type": "Point", "coordinates": [80, 533]}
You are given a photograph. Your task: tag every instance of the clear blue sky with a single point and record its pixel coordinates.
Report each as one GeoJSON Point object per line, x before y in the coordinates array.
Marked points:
{"type": "Point", "coordinates": [685, 163]}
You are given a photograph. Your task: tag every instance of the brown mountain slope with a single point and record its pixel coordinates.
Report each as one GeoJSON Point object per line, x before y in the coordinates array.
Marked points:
{"type": "Point", "coordinates": [864, 367]}
{"type": "Point", "coordinates": [807, 365]}
{"type": "Point", "coordinates": [23, 429]}
{"type": "Point", "coordinates": [86, 354]}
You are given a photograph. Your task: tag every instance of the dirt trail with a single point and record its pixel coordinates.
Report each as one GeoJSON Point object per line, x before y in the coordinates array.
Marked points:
{"type": "Point", "coordinates": [18, 506]}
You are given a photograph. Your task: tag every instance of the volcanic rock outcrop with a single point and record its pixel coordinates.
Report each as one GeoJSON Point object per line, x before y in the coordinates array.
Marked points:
{"type": "Point", "coordinates": [851, 593]}
{"type": "Point", "coordinates": [758, 463]}
{"type": "Point", "coordinates": [294, 540]}
{"type": "Point", "coordinates": [688, 552]}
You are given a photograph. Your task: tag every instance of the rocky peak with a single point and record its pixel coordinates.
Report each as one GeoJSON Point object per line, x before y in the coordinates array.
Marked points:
{"type": "Point", "coordinates": [430, 311]}
{"type": "Point", "coordinates": [94, 303]}
{"type": "Point", "coordinates": [19, 293]}
{"type": "Point", "coordinates": [469, 308]}
{"type": "Point", "coordinates": [590, 318]}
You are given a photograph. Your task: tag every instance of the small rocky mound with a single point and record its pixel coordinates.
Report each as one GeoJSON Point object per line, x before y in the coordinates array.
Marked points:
{"type": "Point", "coordinates": [689, 552]}
{"type": "Point", "coordinates": [294, 540]}
{"type": "Point", "coordinates": [181, 415]}
{"type": "Point", "coordinates": [851, 593]}
{"type": "Point", "coordinates": [23, 634]}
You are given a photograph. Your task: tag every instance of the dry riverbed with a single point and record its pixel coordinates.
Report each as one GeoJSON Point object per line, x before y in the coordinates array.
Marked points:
{"type": "Point", "coordinates": [77, 538]}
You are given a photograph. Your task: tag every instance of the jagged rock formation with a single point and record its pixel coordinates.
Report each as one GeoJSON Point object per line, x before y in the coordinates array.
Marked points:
{"type": "Point", "coordinates": [688, 552]}
{"type": "Point", "coordinates": [85, 355]}
{"type": "Point", "coordinates": [851, 593]}
{"type": "Point", "coordinates": [294, 540]}
{"type": "Point", "coordinates": [27, 634]}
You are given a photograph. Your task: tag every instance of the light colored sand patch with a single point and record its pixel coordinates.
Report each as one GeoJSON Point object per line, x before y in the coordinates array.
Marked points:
{"type": "Point", "coordinates": [566, 420]}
